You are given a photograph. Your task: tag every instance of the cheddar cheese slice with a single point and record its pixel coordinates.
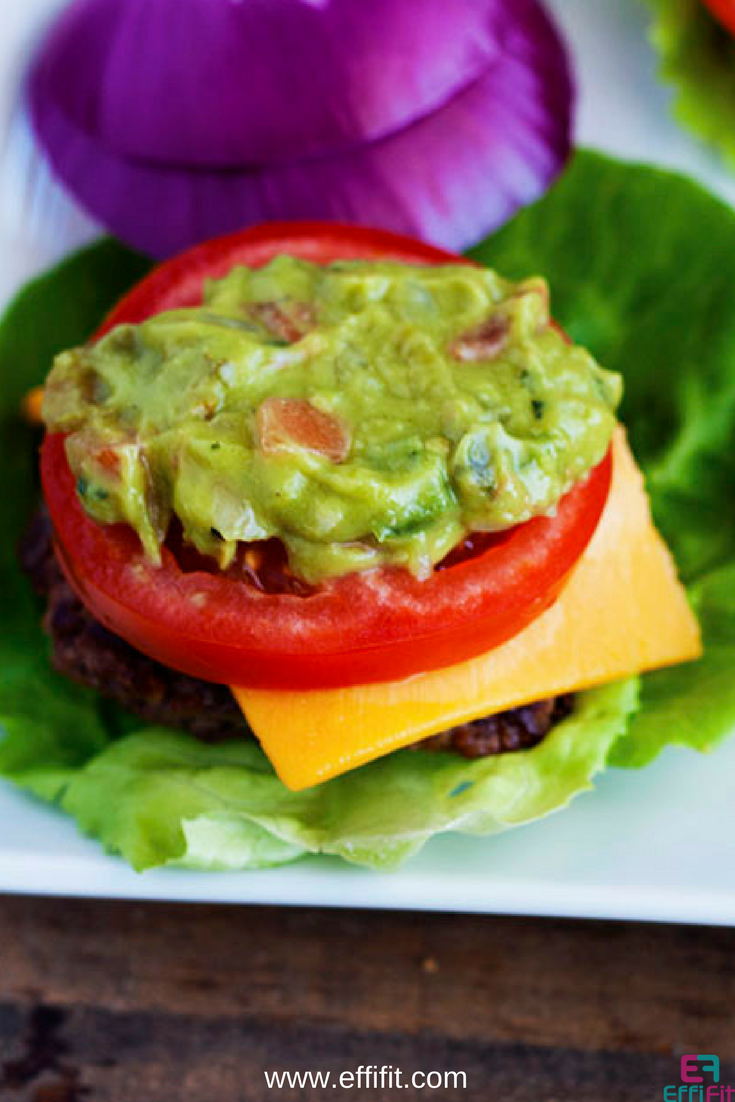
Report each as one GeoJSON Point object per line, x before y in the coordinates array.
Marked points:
{"type": "Point", "coordinates": [622, 611]}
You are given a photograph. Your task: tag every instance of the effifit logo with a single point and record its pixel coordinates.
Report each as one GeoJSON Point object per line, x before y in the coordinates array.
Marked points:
{"type": "Point", "coordinates": [692, 1087]}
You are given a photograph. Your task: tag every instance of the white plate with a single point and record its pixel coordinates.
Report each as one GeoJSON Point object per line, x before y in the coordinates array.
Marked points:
{"type": "Point", "coordinates": [656, 844]}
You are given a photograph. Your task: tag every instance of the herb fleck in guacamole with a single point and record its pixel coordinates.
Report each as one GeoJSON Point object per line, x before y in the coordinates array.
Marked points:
{"type": "Point", "coordinates": [363, 413]}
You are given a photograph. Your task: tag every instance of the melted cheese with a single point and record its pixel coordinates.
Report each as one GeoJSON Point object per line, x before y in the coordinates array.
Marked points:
{"type": "Point", "coordinates": [622, 611]}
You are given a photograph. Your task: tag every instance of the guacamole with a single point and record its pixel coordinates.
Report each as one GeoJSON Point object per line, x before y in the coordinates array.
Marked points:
{"type": "Point", "coordinates": [364, 413]}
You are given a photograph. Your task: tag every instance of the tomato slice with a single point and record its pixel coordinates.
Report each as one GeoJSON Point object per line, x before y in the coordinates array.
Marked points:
{"type": "Point", "coordinates": [178, 282]}
{"type": "Point", "coordinates": [363, 627]}
{"type": "Point", "coordinates": [724, 11]}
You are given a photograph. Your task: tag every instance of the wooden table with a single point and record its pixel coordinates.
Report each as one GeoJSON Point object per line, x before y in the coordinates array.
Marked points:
{"type": "Point", "coordinates": [132, 1002]}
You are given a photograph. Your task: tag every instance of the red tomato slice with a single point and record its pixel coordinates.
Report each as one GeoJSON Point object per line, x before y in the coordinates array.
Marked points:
{"type": "Point", "coordinates": [363, 627]}
{"type": "Point", "coordinates": [178, 282]}
{"type": "Point", "coordinates": [724, 11]}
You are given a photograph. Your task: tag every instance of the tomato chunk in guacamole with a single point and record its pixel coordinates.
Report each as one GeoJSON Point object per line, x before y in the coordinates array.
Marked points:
{"type": "Point", "coordinates": [364, 413]}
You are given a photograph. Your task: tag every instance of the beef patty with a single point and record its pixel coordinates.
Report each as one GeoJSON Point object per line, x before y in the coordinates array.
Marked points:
{"type": "Point", "coordinates": [86, 652]}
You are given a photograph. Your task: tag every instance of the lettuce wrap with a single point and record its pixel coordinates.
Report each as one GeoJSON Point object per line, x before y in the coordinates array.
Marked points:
{"type": "Point", "coordinates": [641, 264]}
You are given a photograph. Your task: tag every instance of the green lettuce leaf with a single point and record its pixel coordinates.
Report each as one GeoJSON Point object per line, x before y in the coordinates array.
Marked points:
{"type": "Point", "coordinates": [691, 705]}
{"type": "Point", "coordinates": [698, 59]}
{"type": "Point", "coordinates": [161, 797]}
{"type": "Point", "coordinates": [53, 727]}
{"type": "Point", "coordinates": [652, 300]}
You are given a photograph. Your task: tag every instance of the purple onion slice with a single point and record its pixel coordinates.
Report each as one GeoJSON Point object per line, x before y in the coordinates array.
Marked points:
{"type": "Point", "coordinates": [445, 146]}
{"type": "Point", "coordinates": [229, 83]}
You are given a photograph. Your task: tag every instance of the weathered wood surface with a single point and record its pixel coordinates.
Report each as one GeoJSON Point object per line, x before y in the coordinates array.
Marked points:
{"type": "Point", "coordinates": [127, 1002]}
